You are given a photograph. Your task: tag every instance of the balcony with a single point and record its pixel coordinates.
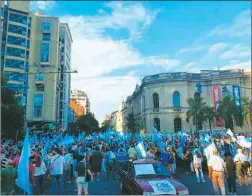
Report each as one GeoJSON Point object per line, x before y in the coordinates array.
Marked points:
{"type": "Point", "coordinates": [176, 109]}
{"type": "Point", "coordinates": [155, 109]}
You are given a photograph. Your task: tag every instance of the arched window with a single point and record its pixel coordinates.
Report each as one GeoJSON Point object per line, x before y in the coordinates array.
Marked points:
{"type": "Point", "coordinates": [155, 100]}
{"type": "Point", "coordinates": [177, 124]}
{"type": "Point", "coordinates": [157, 123]}
{"type": "Point", "coordinates": [176, 99]}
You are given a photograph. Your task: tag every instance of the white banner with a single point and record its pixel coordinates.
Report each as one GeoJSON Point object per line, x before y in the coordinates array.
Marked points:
{"type": "Point", "coordinates": [163, 187]}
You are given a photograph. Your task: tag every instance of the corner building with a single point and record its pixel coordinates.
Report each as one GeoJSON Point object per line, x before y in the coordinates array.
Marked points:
{"type": "Point", "coordinates": [162, 99]}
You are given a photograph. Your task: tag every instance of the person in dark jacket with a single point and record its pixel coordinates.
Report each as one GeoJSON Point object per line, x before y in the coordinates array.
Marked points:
{"type": "Point", "coordinates": [189, 158]}
{"type": "Point", "coordinates": [231, 174]}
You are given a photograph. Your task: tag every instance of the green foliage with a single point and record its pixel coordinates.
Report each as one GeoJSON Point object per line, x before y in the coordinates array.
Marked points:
{"type": "Point", "coordinates": [228, 111]}
{"type": "Point", "coordinates": [12, 113]}
{"type": "Point", "coordinates": [208, 115]}
{"type": "Point", "coordinates": [87, 123]}
{"type": "Point", "coordinates": [131, 123]}
{"type": "Point", "coordinates": [247, 110]}
{"type": "Point", "coordinates": [196, 111]}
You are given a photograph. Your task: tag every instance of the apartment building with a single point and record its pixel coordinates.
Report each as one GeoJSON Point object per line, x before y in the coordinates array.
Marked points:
{"type": "Point", "coordinates": [80, 98]}
{"type": "Point", "coordinates": [36, 59]}
{"type": "Point", "coordinates": [15, 46]}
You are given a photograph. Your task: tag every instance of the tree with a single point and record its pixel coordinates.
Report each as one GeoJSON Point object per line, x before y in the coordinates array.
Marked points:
{"type": "Point", "coordinates": [247, 110]}
{"type": "Point", "coordinates": [105, 125]}
{"type": "Point", "coordinates": [208, 115]}
{"type": "Point", "coordinates": [228, 111]}
{"type": "Point", "coordinates": [195, 111]}
{"type": "Point", "coordinates": [87, 123]}
{"type": "Point", "coordinates": [12, 113]}
{"type": "Point", "coordinates": [131, 123]}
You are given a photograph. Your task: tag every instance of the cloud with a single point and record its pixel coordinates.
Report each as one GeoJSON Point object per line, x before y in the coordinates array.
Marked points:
{"type": "Point", "coordinates": [96, 53]}
{"type": "Point", "coordinates": [42, 5]}
{"type": "Point", "coordinates": [190, 65]}
{"type": "Point", "coordinates": [105, 93]}
{"type": "Point", "coordinates": [246, 65]}
{"type": "Point", "coordinates": [240, 27]}
{"type": "Point", "coordinates": [237, 51]}
{"type": "Point", "coordinates": [217, 47]}
{"type": "Point", "coordinates": [190, 49]}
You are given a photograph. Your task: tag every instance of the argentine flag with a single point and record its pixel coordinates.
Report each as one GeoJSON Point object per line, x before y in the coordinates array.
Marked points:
{"type": "Point", "coordinates": [23, 167]}
{"type": "Point", "coordinates": [140, 149]}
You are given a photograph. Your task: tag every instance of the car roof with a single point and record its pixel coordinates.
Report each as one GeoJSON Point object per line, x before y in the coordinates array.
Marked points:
{"type": "Point", "coordinates": [144, 161]}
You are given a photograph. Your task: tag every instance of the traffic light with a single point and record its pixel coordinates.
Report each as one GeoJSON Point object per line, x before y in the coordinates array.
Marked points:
{"type": "Point", "coordinates": [198, 88]}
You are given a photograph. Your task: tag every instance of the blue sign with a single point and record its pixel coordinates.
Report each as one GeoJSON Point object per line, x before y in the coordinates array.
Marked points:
{"type": "Point", "coordinates": [237, 96]}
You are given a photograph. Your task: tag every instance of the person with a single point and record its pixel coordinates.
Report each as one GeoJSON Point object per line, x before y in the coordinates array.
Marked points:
{"type": "Point", "coordinates": [121, 150]}
{"type": "Point", "coordinates": [165, 157]}
{"type": "Point", "coordinates": [150, 154]}
{"type": "Point", "coordinates": [8, 179]}
{"type": "Point", "coordinates": [250, 160]}
{"type": "Point", "coordinates": [17, 159]}
{"type": "Point", "coordinates": [39, 173]}
{"type": "Point", "coordinates": [81, 173]}
{"type": "Point", "coordinates": [110, 163]}
{"type": "Point", "coordinates": [57, 168]}
{"type": "Point", "coordinates": [197, 162]}
{"type": "Point", "coordinates": [132, 154]}
{"type": "Point", "coordinates": [97, 162]}
{"type": "Point", "coordinates": [189, 158]}
{"type": "Point", "coordinates": [157, 154]}
{"type": "Point", "coordinates": [174, 166]}
{"type": "Point", "coordinates": [216, 169]}
{"type": "Point", "coordinates": [231, 175]}
{"type": "Point", "coordinates": [31, 172]}
{"type": "Point", "coordinates": [241, 169]}
{"type": "Point", "coordinates": [68, 170]}
{"type": "Point", "coordinates": [171, 156]}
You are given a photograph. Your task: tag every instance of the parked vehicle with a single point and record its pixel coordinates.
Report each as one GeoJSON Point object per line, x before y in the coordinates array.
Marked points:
{"type": "Point", "coordinates": [149, 177]}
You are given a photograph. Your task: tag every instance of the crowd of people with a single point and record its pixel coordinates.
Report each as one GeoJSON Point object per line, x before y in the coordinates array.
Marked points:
{"type": "Point", "coordinates": [84, 159]}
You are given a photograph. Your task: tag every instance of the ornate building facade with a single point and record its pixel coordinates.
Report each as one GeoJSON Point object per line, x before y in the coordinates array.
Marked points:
{"type": "Point", "coordinates": [162, 99]}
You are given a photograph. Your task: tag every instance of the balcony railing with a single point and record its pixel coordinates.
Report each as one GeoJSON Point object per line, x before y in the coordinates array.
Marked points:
{"type": "Point", "coordinates": [155, 109]}
{"type": "Point", "coordinates": [176, 109]}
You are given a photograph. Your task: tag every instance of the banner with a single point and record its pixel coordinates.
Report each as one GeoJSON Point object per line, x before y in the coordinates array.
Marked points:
{"type": "Point", "coordinates": [237, 96]}
{"type": "Point", "coordinates": [216, 101]}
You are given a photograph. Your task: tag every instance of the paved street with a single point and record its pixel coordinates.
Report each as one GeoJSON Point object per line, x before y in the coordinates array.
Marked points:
{"type": "Point", "coordinates": [111, 187]}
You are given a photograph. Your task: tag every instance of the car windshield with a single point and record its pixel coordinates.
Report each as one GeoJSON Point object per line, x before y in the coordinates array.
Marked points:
{"type": "Point", "coordinates": [151, 169]}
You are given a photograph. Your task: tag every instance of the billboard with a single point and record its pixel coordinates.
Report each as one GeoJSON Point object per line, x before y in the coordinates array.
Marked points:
{"type": "Point", "coordinates": [216, 100]}
{"type": "Point", "coordinates": [237, 96]}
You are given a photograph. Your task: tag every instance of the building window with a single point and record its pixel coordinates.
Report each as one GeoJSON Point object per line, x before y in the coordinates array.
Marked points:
{"type": "Point", "coordinates": [40, 77]}
{"type": "Point", "coordinates": [17, 29]}
{"type": "Point", "coordinates": [155, 100]}
{"type": "Point", "coordinates": [177, 124]}
{"type": "Point", "coordinates": [18, 18]}
{"type": "Point", "coordinates": [46, 36]}
{"type": "Point", "coordinates": [14, 76]}
{"type": "Point", "coordinates": [14, 63]}
{"type": "Point", "coordinates": [28, 43]}
{"type": "Point", "coordinates": [16, 41]}
{"type": "Point", "coordinates": [40, 87]}
{"type": "Point", "coordinates": [29, 33]}
{"type": "Point", "coordinates": [45, 52]}
{"type": "Point", "coordinates": [15, 52]}
{"type": "Point", "coordinates": [29, 22]}
{"type": "Point", "coordinates": [143, 106]}
{"type": "Point", "coordinates": [38, 105]}
{"type": "Point", "coordinates": [176, 99]}
{"type": "Point", "coordinates": [46, 26]}
{"type": "Point", "coordinates": [157, 123]}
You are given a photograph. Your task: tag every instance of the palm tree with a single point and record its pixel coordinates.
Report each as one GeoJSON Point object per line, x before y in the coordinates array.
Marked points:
{"type": "Point", "coordinates": [228, 111]}
{"type": "Point", "coordinates": [208, 115]}
{"type": "Point", "coordinates": [247, 110]}
{"type": "Point", "coordinates": [195, 111]}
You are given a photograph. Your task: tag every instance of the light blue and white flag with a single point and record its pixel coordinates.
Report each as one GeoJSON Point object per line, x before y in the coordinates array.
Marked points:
{"type": "Point", "coordinates": [141, 151]}
{"type": "Point", "coordinates": [23, 167]}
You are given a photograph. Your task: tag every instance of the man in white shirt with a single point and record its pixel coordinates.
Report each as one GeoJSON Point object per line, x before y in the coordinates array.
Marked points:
{"type": "Point", "coordinates": [57, 168]}
{"type": "Point", "coordinates": [216, 169]}
{"type": "Point", "coordinates": [241, 170]}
